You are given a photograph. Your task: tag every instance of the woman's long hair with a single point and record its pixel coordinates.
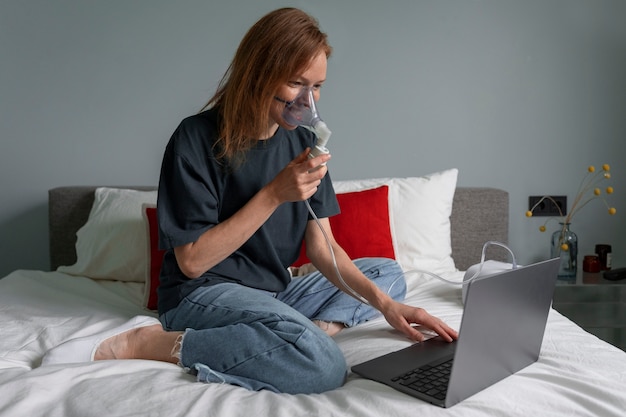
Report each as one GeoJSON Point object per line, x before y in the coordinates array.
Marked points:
{"type": "Point", "coordinates": [278, 46]}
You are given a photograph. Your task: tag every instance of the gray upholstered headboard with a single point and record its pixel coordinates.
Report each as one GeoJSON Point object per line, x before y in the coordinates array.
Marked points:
{"type": "Point", "coordinates": [478, 215]}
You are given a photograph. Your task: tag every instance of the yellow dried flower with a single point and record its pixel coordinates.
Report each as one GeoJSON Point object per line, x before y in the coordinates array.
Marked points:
{"type": "Point", "coordinates": [587, 191]}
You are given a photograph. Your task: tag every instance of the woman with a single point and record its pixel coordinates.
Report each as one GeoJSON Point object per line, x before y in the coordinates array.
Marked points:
{"type": "Point", "coordinates": [232, 216]}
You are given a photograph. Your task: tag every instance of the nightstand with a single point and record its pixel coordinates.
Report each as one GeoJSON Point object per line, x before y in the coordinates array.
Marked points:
{"type": "Point", "coordinates": [595, 304]}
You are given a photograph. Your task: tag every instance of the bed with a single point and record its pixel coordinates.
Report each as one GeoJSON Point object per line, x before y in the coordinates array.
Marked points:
{"type": "Point", "coordinates": [103, 267]}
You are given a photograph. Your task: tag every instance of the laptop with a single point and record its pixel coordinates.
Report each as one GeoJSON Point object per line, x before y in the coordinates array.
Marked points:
{"type": "Point", "coordinates": [501, 332]}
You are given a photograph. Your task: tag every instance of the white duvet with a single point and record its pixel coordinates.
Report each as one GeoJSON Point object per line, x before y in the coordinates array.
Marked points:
{"type": "Point", "coordinates": [577, 374]}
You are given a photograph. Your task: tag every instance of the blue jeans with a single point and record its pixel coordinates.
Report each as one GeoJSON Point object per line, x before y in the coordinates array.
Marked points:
{"type": "Point", "coordinates": [262, 340]}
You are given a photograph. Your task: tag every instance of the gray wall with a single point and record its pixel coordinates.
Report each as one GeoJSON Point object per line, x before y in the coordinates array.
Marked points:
{"type": "Point", "coordinates": [520, 95]}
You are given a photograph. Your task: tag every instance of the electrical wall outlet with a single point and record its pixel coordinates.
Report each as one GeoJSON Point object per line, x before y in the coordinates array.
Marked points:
{"type": "Point", "coordinates": [547, 207]}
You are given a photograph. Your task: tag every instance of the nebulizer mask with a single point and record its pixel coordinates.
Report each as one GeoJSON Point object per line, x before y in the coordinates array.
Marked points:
{"type": "Point", "coordinates": [301, 111]}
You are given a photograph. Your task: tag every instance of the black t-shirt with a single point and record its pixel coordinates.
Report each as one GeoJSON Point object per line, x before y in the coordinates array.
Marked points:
{"type": "Point", "coordinates": [196, 192]}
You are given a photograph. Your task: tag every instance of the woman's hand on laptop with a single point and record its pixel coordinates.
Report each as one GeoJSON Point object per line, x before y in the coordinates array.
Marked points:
{"type": "Point", "coordinates": [402, 317]}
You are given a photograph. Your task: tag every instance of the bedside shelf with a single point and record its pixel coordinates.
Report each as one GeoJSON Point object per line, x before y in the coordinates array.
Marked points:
{"type": "Point", "coordinates": [595, 304]}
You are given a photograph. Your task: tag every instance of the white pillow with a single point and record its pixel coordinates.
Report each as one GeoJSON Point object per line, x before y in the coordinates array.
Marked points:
{"type": "Point", "coordinates": [419, 212]}
{"type": "Point", "coordinates": [113, 243]}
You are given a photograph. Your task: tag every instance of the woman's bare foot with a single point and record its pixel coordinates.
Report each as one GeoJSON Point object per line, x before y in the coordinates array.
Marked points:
{"type": "Point", "coordinates": [141, 337]}
{"type": "Point", "coordinates": [331, 328]}
{"type": "Point", "coordinates": [121, 346]}
{"type": "Point", "coordinates": [149, 342]}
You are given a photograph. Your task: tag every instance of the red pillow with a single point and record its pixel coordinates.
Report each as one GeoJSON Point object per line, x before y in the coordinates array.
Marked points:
{"type": "Point", "coordinates": [362, 228]}
{"type": "Point", "coordinates": [155, 259]}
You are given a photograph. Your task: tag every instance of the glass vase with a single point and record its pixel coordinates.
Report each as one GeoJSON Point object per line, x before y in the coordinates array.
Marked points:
{"type": "Point", "coordinates": [565, 246]}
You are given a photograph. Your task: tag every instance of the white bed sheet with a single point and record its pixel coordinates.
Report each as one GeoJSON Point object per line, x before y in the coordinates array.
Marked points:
{"type": "Point", "coordinates": [577, 374]}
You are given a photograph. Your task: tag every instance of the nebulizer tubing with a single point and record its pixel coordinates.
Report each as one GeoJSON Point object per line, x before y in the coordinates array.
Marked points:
{"type": "Point", "coordinates": [478, 271]}
{"type": "Point", "coordinates": [302, 112]}
{"type": "Point", "coordinates": [362, 299]}
{"type": "Point", "coordinates": [348, 288]}
{"type": "Point", "coordinates": [359, 297]}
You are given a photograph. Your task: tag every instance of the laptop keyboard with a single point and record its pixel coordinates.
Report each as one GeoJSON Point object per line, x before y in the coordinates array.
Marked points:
{"type": "Point", "coordinates": [429, 380]}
